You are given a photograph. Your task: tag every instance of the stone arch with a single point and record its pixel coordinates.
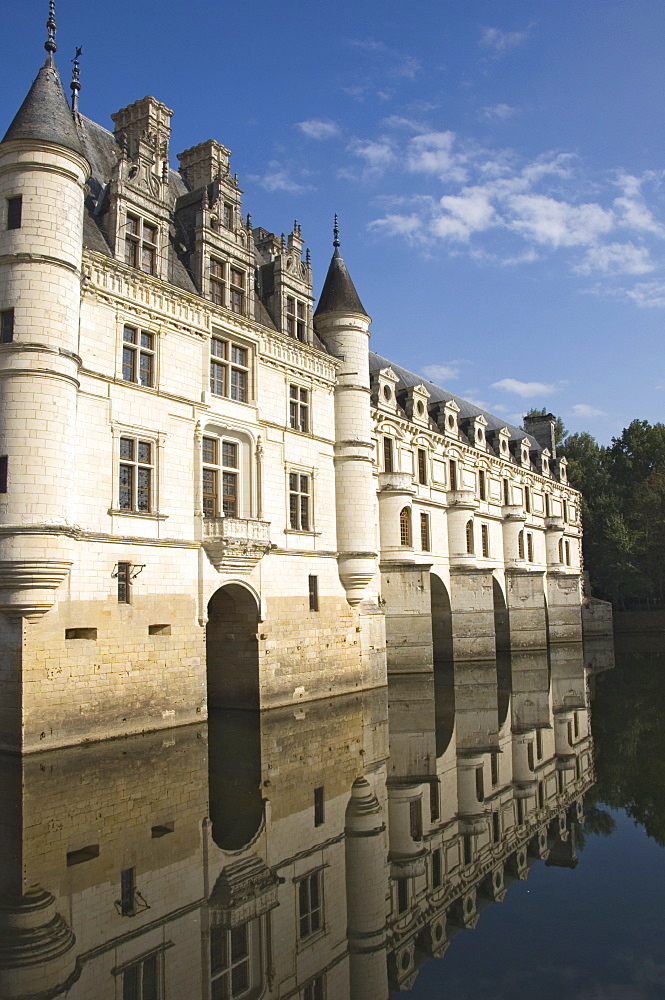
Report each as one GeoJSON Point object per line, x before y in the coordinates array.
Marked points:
{"type": "Point", "coordinates": [442, 649]}
{"type": "Point", "coordinates": [234, 778]}
{"type": "Point", "coordinates": [232, 654]}
{"type": "Point", "coordinates": [405, 527]}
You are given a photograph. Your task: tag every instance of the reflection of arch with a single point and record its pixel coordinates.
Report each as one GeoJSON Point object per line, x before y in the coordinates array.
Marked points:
{"type": "Point", "coordinates": [501, 624]}
{"type": "Point", "coordinates": [232, 655]}
{"type": "Point", "coordinates": [234, 777]}
{"type": "Point", "coordinates": [442, 648]}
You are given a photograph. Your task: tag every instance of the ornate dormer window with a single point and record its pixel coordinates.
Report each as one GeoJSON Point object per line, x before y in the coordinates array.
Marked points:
{"type": "Point", "coordinates": [415, 401]}
{"type": "Point", "coordinates": [500, 440]}
{"type": "Point", "coordinates": [475, 428]}
{"type": "Point", "coordinates": [141, 243]}
{"type": "Point", "coordinates": [383, 383]}
{"type": "Point", "coordinates": [446, 416]}
{"type": "Point", "coordinates": [545, 462]}
{"type": "Point", "coordinates": [284, 282]}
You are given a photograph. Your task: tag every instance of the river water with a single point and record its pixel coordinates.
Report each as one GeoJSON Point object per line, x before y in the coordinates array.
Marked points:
{"type": "Point", "coordinates": [494, 832]}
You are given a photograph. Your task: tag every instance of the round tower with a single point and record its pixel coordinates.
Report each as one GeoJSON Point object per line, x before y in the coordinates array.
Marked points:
{"type": "Point", "coordinates": [343, 325]}
{"type": "Point", "coordinates": [43, 171]}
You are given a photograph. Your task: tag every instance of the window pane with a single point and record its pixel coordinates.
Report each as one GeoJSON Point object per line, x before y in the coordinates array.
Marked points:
{"type": "Point", "coordinates": [293, 481]}
{"type": "Point", "coordinates": [217, 373]}
{"type": "Point", "coordinates": [304, 484]}
{"type": "Point", "coordinates": [237, 277]}
{"type": "Point", "coordinates": [131, 253]}
{"type": "Point", "coordinates": [132, 225]}
{"type": "Point", "coordinates": [129, 334]}
{"type": "Point", "coordinates": [126, 482]}
{"type": "Point", "coordinates": [128, 364]}
{"type": "Point", "coordinates": [239, 943]}
{"type": "Point", "coordinates": [148, 260]}
{"type": "Point", "coordinates": [293, 391]}
{"type": "Point", "coordinates": [210, 450]}
{"type": "Point", "coordinates": [238, 385]}
{"type": "Point", "coordinates": [230, 455]}
{"type": "Point", "coordinates": [145, 373]}
{"type": "Point", "coordinates": [146, 340]}
{"type": "Point", "coordinates": [238, 355]}
{"type": "Point", "coordinates": [150, 984]}
{"type": "Point", "coordinates": [143, 490]}
{"type": "Point", "coordinates": [293, 511]}
{"type": "Point", "coordinates": [145, 450]}
{"type": "Point", "coordinates": [293, 415]}
{"type": "Point", "coordinates": [240, 979]}
{"type": "Point", "coordinates": [14, 210]}
{"type": "Point", "coordinates": [218, 348]}
{"type": "Point", "coordinates": [127, 448]}
{"type": "Point", "coordinates": [131, 983]}
{"type": "Point", "coordinates": [304, 513]}
{"type": "Point", "coordinates": [218, 950]}
{"type": "Point", "coordinates": [149, 233]}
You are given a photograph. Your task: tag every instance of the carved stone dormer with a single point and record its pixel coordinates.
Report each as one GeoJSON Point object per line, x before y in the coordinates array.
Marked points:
{"type": "Point", "coordinates": [544, 462]}
{"type": "Point", "coordinates": [521, 450]}
{"type": "Point", "coordinates": [221, 253]}
{"type": "Point", "coordinates": [474, 428]}
{"type": "Point", "coordinates": [446, 415]}
{"type": "Point", "coordinates": [561, 469]}
{"type": "Point", "coordinates": [415, 401]}
{"type": "Point", "coordinates": [285, 282]}
{"type": "Point", "coordinates": [143, 131]}
{"type": "Point", "coordinates": [500, 442]}
{"type": "Point", "coordinates": [383, 384]}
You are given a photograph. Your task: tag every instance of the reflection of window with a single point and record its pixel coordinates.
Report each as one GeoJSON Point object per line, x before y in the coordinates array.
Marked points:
{"type": "Point", "coordinates": [469, 538]}
{"type": "Point", "coordinates": [298, 408]}
{"type": "Point", "coordinates": [416, 819]}
{"type": "Point", "coordinates": [314, 989]}
{"type": "Point", "coordinates": [142, 981]}
{"type": "Point", "coordinates": [437, 868]}
{"type": "Point", "coordinates": [299, 501]}
{"type": "Point", "coordinates": [220, 469]}
{"type": "Point", "coordinates": [496, 827]}
{"type": "Point", "coordinates": [229, 371]}
{"type": "Point", "coordinates": [128, 892]}
{"type": "Point", "coordinates": [138, 356]}
{"type": "Point", "coordinates": [405, 526]}
{"type": "Point", "coordinates": [480, 784]}
{"type": "Point", "coordinates": [434, 806]}
{"type": "Point", "coordinates": [230, 970]}
{"type": "Point", "coordinates": [135, 474]}
{"type": "Point", "coordinates": [494, 764]}
{"type": "Point", "coordinates": [402, 895]}
{"type": "Point", "coordinates": [529, 755]}
{"type": "Point", "coordinates": [319, 806]}
{"type": "Point", "coordinates": [310, 904]}
{"type": "Point", "coordinates": [424, 532]}
{"type": "Point", "coordinates": [140, 244]}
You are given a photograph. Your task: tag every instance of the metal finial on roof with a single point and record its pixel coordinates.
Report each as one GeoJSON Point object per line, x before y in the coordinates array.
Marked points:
{"type": "Point", "coordinates": [75, 85]}
{"type": "Point", "coordinates": [51, 26]}
{"type": "Point", "coordinates": [308, 257]}
{"type": "Point", "coordinates": [336, 242]}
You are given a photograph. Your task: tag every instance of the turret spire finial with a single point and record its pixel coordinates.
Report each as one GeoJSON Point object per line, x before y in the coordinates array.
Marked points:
{"type": "Point", "coordinates": [51, 26]}
{"type": "Point", "coordinates": [75, 85]}
{"type": "Point", "coordinates": [336, 242]}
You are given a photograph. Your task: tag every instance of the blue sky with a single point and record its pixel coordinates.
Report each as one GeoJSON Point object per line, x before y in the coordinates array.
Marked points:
{"type": "Point", "coordinates": [497, 168]}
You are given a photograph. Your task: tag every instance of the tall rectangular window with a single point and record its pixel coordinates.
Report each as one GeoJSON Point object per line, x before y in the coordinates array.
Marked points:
{"type": "Point", "coordinates": [452, 473]}
{"type": "Point", "coordinates": [506, 492]}
{"type": "Point", "coordinates": [6, 326]}
{"type": "Point", "coordinates": [424, 533]}
{"type": "Point", "coordinates": [496, 827]}
{"type": "Point", "coordinates": [229, 370]}
{"type": "Point", "coordinates": [319, 810]}
{"type": "Point", "coordinates": [142, 981]}
{"type": "Point", "coordinates": [227, 217]}
{"type": "Point", "coordinates": [217, 281]}
{"type": "Point", "coordinates": [485, 540]}
{"type": "Point", "coordinates": [482, 485]}
{"type": "Point", "coordinates": [299, 408]}
{"type": "Point", "coordinates": [434, 803]}
{"type": "Point", "coordinates": [527, 499]}
{"type": "Point", "coordinates": [237, 291]}
{"type": "Point", "coordinates": [230, 963]}
{"type": "Point", "coordinates": [135, 475]}
{"type": "Point", "coordinates": [437, 868]}
{"type": "Point", "coordinates": [388, 462]}
{"type": "Point", "coordinates": [127, 891]}
{"type": "Point", "coordinates": [422, 466]}
{"type": "Point", "coordinates": [467, 849]}
{"type": "Point", "coordinates": [402, 895]}
{"type": "Point", "coordinates": [4, 463]}
{"type": "Point", "coordinates": [313, 593]}
{"type": "Point", "coordinates": [138, 356]}
{"type": "Point", "coordinates": [529, 546]}
{"type": "Point", "coordinates": [296, 318]}
{"type": "Point", "coordinates": [141, 244]}
{"type": "Point", "coordinates": [310, 904]}
{"type": "Point", "coordinates": [299, 501]}
{"type": "Point", "coordinates": [14, 212]}
{"type": "Point", "coordinates": [124, 582]}
{"type": "Point", "coordinates": [416, 819]}
{"type": "Point", "coordinates": [494, 764]}
{"type": "Point", "coordinates": [229, 479]}
{"type": "Point", "coordinates": [314, 989]}
{"type": "Point", "coordinates": [480, 784]}
{"type": "Point", "coordinates": [539, 744]}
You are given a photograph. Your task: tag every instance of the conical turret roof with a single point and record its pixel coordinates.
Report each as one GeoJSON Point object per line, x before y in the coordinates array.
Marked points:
{"type": "Point", "coordinates": [339, 293]}
{"type": "Point", "coordinates": [45, 115]}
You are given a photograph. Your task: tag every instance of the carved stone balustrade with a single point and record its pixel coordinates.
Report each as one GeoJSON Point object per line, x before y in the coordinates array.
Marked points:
{"type": "Point", "coordinates": [235, 544]}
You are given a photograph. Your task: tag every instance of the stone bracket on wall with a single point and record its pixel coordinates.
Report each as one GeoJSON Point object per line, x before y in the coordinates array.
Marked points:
{"type": "Point", "coordinates": [235, 544]}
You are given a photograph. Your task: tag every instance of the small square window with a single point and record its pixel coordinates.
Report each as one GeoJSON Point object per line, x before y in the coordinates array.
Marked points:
{"type": "Point", "coordinates": [124, 582]}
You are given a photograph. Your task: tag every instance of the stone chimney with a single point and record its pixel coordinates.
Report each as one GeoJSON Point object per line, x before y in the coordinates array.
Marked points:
{"type": "Point", "coordinates": [543, 429]}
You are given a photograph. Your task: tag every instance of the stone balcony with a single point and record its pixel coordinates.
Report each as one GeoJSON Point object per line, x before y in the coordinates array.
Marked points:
{"type": "Point", "coordinates": [235, 544]}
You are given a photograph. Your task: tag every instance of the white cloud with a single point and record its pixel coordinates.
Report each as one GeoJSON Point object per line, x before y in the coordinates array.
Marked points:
{"type": "Point", "coordinates": [394, 224]}
{"type": "Point", "coordinates": [558, 223]}
{"type": "Point", "coordinates": [319, 128]}
{"type": "Point", "coordinates": [468, 212]}
{"type": "Point", "coordinates": [397, 121]}
{"type": "Point", "coordinates": [524, 389]}
{"type": "Point", "coordinates": [634, 214]}
{"type": "Point", "coordinates": [584, 410]}
{"type": "Point", "coordinates": [472, 396]}
{"type": "Point", "coordinates": [277, 178]}
{"type": "Point", "coordinates": [616, 258]}
{"type": "Point", "coordinates": [648, 294]}
{"type": "Point", "coordinates": [442, 373]}
{"type": "Point", "coordinates": [377, 155]}
{"type": "Point", "coordinates": [497, 113]}
{"type": "Point", "coordinates": [502, 41]}
{"type": "Point", "coordinates": [432, 153]}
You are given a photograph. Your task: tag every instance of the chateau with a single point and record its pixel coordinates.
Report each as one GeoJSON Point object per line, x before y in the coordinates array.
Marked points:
{"type": "Point", "coordinates": [212, 492]}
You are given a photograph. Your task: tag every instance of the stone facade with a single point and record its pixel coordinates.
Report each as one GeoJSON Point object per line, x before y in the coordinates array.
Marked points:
{"type": "Point", "coordinates": [211, 493]}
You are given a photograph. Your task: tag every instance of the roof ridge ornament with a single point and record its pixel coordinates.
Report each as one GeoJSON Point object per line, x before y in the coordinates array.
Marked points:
{"type": "Point", "coordinates": [75, 85]}
{"type": "Point", "coordinates": [51, 27]}
{"type": "Point", "coordinates": [336, 242]}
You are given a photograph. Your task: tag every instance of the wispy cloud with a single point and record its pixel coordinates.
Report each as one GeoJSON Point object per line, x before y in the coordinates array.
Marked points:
{"type": "Point", "coordinates": [500, 42]}
{"type": "Point", "coordinates": [647, 294]}
{"type": "Point", "coordinates": [585, 410]}
{"type": "Point", "coordinates": [319, 128]}
{"type": "Point", "coordinates": [393, 224]}
{"type": "Point", "coordinates": [443, 372]}
{"type": "Point", "coordinates": [497, 113]}
{"type": "Point", "coordinates": [527, 390]}
{"type": "Point", "coordinates": [616, 258]}
{"type": "Point", "coordinates": [435, 153]}
{"type": "Point", "coordinates": [278, 178]}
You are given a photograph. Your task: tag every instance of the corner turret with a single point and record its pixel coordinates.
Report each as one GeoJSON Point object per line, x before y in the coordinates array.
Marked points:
{"type": "Point", "coordinates": [343, 325]}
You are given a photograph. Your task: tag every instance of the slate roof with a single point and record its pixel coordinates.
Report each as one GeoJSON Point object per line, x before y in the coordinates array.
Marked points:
{"type": "Point", "coordinates": [45, 115]}
{"type": "Point", "coordinates": [408, 379]}
{"type": "Point", "coordinates": [339, 293]}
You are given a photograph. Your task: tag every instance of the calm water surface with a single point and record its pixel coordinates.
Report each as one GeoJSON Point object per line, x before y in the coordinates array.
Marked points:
{"type": "Point", "coordinates": [495, 835]}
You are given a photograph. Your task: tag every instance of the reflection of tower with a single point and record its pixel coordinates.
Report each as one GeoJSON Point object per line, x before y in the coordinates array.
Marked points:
{"type": "Point", "coordinates": [343, 325]}
{"type": "Point", "coordinates": [366, 881]}
{"type": "Point", "coordinates": [36, 947]}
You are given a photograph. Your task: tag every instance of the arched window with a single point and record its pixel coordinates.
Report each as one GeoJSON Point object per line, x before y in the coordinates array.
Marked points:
{"type": "Point", "coordinates": [405, 526]}
{"type": "Point", "coordinates": [469, 538]}
{"type": "Point", "coordinates": [485, 540]}
{"type": "Point", "coordinates": [520, 545]}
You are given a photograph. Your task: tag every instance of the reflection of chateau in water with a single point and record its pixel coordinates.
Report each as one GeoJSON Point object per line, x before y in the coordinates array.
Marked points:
{"type": "Point", "coordinates": [318, 851]}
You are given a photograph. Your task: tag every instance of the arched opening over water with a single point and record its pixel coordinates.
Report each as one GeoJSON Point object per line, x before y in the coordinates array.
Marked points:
{"type": "Point", "coordinates": [501, 623]}
{"type": "Point", "coordinates": [232, 652]}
